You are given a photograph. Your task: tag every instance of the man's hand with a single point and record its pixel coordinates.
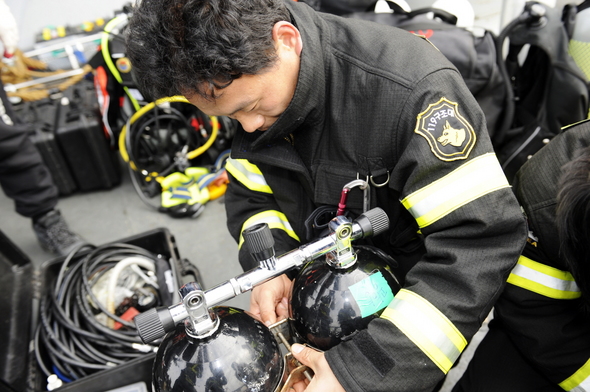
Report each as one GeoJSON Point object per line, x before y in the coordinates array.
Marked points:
{"type": "Point", "coordinates": [269, 302]}
{"type": "Point", "coordinates": [324, 379]}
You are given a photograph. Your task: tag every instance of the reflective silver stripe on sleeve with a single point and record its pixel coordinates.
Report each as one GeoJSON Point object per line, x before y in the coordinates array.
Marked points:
{"type": "Point", "coordinates": [544, 280]}
{"type": "Point", "coordinates": [473, 179]}
{"type": "Point", "coordinates": [426, 327]}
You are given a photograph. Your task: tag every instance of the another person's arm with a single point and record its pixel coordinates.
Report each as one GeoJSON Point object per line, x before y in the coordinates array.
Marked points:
{"type": "Point", "coordinates": [546, 323]}
{"type": "Point", "coordinates": [543, 310]}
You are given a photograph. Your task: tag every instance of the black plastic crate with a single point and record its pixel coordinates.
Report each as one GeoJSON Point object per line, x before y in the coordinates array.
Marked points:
{"type": "Point", "coordinates": [24, 287]}
{"type": "Point", "coordinates": [16, 293]}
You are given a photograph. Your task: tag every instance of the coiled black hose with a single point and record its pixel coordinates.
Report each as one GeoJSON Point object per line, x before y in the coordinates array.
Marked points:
{"type": "Point", "coordinates": [69, 341]}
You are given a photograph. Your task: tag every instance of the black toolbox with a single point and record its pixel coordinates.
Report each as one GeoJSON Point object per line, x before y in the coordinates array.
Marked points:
{"type": "Point", "coordinates": [81, 136]}
{"type": "Point", "coordinates": [22, 288]}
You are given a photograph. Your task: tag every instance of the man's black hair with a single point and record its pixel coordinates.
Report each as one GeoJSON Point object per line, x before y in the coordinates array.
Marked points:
{"type": "Point", "coordinates": [187, 47]}
{"type": "Point", "coordinates": [573, 220]}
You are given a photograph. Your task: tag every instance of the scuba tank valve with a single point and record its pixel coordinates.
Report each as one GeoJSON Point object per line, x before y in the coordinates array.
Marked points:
{"type": "Point", "coordinates": [155, 323]}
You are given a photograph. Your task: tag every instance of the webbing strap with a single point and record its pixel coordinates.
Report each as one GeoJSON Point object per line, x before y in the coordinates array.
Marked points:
{"type": "Point", "coordinates": [180, 192]}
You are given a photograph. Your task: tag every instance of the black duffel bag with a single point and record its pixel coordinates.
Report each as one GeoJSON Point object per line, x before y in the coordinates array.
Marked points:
{"type": "Point", "coordinates": [473, 55]}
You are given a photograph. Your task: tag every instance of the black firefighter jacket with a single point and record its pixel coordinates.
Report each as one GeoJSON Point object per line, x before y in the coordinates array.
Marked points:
{"type": "Point", "coordinates": [375, 101]}
{"type": "Point", "coordinates": [540, 309]}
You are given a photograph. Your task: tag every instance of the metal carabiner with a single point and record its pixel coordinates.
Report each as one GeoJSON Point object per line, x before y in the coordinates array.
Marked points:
{"type": "Point", "coordinates": [364, 185]}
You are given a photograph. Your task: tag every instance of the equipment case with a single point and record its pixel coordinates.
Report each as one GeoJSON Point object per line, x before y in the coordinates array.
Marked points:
{"type": "Point", "coordinates": [21, 288]}
{"type": "Point", "coordinates": [42, 117]}
{"type": "Point", "coordinates": [54, 160]}
{"type": "Point", "coordinates": [81, 136]}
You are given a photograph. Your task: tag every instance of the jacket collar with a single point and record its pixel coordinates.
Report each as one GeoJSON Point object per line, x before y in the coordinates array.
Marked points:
{"type": "Point", "coordinates": [307, 105]}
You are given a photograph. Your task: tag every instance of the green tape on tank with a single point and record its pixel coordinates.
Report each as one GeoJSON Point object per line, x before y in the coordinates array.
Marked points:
{"type": "Point", "coordinates": [372, 294]}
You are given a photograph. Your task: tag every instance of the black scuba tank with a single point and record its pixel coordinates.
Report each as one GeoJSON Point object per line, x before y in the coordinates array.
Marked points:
{"type": "Point", "coordinates": [241, 355]}
{"type": "Point", "coordinates": [329, 303]}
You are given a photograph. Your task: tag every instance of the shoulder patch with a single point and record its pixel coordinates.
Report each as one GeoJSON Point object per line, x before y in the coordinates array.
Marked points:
{"type": "Point", "coordinates": [449, 135]}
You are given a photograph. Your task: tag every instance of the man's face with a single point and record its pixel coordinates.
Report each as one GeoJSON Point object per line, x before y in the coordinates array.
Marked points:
{"type": "Point", "coordinates": [257, 101]}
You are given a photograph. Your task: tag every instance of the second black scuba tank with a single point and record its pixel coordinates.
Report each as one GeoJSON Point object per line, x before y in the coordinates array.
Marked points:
{"type": "Point", "coordinates": [338, 294]}
{"type": "Point", "coordinates": [329, 303]}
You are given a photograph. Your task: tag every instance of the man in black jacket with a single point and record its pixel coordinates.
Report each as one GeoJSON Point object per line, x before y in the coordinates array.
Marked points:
{"type": "Point", "coordinates": [323, 100]}
{"type": "Point", "coordinates": [538, 339]}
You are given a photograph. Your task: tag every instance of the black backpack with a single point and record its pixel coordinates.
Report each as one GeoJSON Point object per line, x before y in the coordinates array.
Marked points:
{"type": "Point", "coordinates": [474, 56]}
{"type": "Point", "coordinates": [545, 88]}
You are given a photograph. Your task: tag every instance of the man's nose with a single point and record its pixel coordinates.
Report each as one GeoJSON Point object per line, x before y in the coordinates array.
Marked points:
{"type": "Point", "coordinates": [251, 123]}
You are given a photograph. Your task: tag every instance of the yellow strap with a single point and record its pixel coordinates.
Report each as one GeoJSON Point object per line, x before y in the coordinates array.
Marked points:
{"type": "Point", "coordinates": [248, 174]}
{"type": "Point", "coordinates": [544, 280]}
{"type": "Point", "coordinates": [274, 219]}
{"type": "Point", "coordinates": [427, 327]}
{"type": "Point", "coordinates": [474, 179]}
{"type": "Point", "coordinates": [579, 381]}
{"type": "Point", "coordinates": [104, 47]}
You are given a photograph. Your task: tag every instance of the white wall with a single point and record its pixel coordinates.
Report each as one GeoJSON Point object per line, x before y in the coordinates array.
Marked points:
{"type": "Point", "coordinates": [33, 15]}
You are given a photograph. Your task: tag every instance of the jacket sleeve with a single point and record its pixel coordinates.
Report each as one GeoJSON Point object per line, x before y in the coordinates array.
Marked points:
{"type": "Point", "coordinates": [249, 201]}
{"type": "Point", "coordinates": [452, 184]}
{"type": "Point", "coordinates": [538, 295]}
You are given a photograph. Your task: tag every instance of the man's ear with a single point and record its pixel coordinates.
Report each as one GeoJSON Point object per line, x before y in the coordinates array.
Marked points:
{"type": "Point", "coordinates": [287, 35]}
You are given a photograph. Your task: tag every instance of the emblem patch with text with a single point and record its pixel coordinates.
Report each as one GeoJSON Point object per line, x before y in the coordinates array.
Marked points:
{"type": "Point", "coordinates": [449, 135]}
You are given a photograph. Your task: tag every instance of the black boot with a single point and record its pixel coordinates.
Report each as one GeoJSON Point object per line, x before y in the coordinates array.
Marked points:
{"type": "Point", "coordinates": [54, 235]}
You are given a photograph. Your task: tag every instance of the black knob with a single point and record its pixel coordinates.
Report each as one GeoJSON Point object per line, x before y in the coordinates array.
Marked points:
{"type": "Point", "coordinates": [259, 240]}
{"type": "Point", "coordinates": [373, 222]}
{"type": "Point", "coordinates": [153, 324]}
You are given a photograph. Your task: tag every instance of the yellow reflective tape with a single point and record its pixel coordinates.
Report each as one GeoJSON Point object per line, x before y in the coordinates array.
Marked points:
{"type": "Point", "coordinates": [248, 174]}
{"type": "Point", "coordinates": [476, 178]}
{"type": "Point", "coordinates": [544, 280]}
{"type": "Point", "coordinates": [579, 381]}
{"type": "Point", "coordinates": [427, 327]}
{"type": "Point", "coordinates": [274, 219]}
